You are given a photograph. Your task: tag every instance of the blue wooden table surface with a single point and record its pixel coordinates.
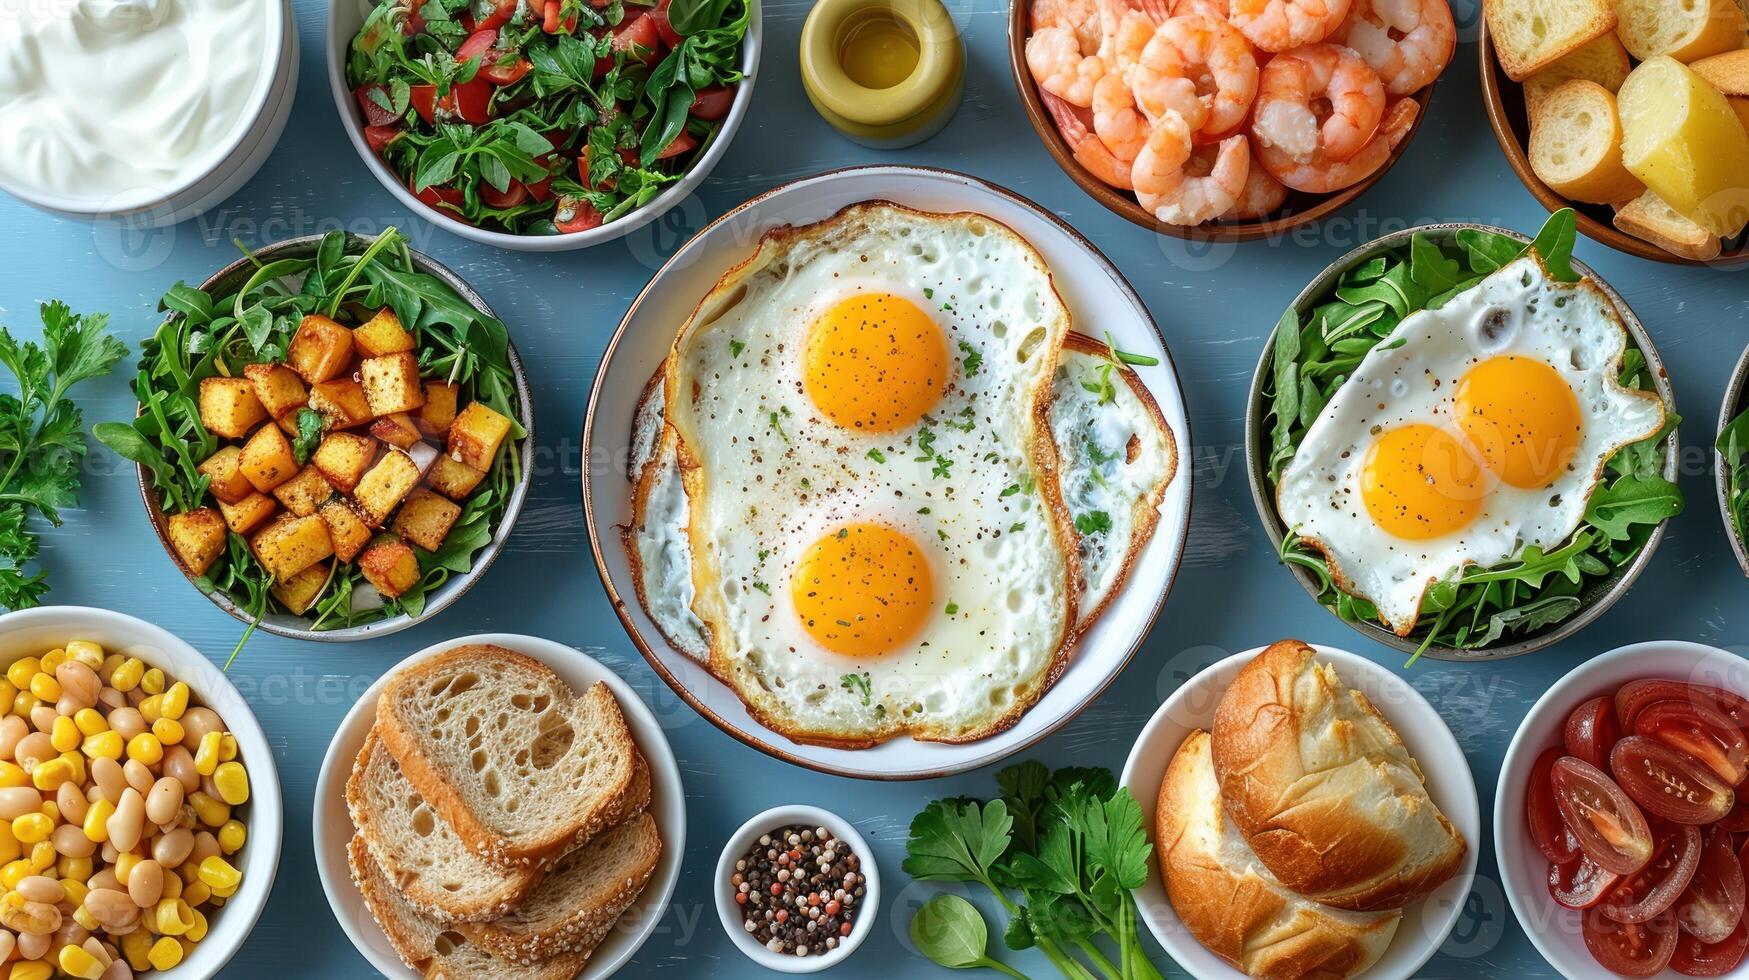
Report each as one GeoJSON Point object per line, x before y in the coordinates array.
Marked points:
{"type": "Point", "coordinates": [1215, 305]}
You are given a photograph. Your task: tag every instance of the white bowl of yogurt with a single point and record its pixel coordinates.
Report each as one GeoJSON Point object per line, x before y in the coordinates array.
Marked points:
{"type": "Point", "coordinates": [150, 111]}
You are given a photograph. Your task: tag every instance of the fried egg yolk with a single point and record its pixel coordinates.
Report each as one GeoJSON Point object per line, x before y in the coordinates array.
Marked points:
{"type": "Point", "coordinates": [875, 362]}
{"type": "Point", "coordinates": [1521, 417]}
{"type": "Point", "coordinates": [863, 590]}
{"type": "Point", "coordinates": [1420, 481]}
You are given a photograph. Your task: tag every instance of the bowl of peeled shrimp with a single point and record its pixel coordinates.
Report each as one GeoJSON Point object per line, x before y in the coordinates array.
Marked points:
{"type": "Point", "coordinates": [1228, 120]}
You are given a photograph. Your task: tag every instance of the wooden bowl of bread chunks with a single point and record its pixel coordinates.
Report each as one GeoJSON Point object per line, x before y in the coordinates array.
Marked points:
{"type": "Point", "coordinates": [1633, 112]}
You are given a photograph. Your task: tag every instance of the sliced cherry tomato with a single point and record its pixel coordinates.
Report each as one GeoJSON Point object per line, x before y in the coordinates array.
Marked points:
{"type": "Point", "coordinates": [1638, 949]}
{"type": "Point", "coordinates": [1655, 887]}
{"type": "Point", "coordinates": [415, 22]}
{"type": "Point", "coordinates": [1701, 731]}
{"type": "Point", "coordinates": [492, 14]}
{"type": "Point", "coordinates": [1592, 731]}
{"type": "Point", "coordinates": [639, 38]}
{"type": "Point", "coordinates": [678, 145]}
{"type": "Point", "coordinates": [503, 200]}
{"type": "Point", "coordinates": [435, 196]}
{"type": "Point", "coordinates": [375, 113]}
{"type": "Point", "coordinates": [379, 137]}
{"type": "Point", "coordinates": [1543, 815]}
{"type": "Point", "coordinates": [1669, 784]}
{"type": "Point", "coordinates": [541, 190]}
{"type": "Point", "coordinates": [1580, 883]}
{"type": "Point", "coordinates": [574, 216]}
{"type": "Point", "coordinates": [1611, 829]}
{"type": "Point", "coordinates": [553, 20]}
{"type": "Point", "coordinates": [478, 45]}
{"type": "Point", "coordinates": [711, 104]}
{"type": "Point", "coordinates": [1737, 821]}
{"type": "Point", "coordinates": [1634, 696]}
{"type": "Point", "coordinates": [507, 71]}
{"type": "Point", "coordinates": [471, 102]}
{"type": "Point", "coordinates": [1697, 959]}
{"type": "Point", "coordinates": [664, 27]}
{"type": "Point", "coordinates": [1713, 904]}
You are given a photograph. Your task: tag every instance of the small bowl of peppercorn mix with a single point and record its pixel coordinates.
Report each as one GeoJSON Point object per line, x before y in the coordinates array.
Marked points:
{"type": "Point", "coordinates": [796, 884]}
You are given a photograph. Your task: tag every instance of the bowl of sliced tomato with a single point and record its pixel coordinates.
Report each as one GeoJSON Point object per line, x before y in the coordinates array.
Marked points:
{"type": "Point", "coordinates": [1622, 815]}
{"type": "Point", "coordinates": [542, 125]}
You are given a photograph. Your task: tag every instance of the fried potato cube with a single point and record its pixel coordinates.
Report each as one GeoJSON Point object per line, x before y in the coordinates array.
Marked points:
{"type": "Point", "coordinates": [476, 435]}
{"type": "Point", "coordinates": [397, 430]}
{"type": "Point", "coordinates": [198, 538]}
{"type": "Point", "coordinates": [343, 457]}
{"type": "Point", "coordinates": [229, 408]}
{"type": "Point", "coordinates": [384, 487]}
{"type": "Point", "coordinates": [298, 593]}
{"type": "Point", "coordinates": [291, 544]}
{"type": "Point", "coordinates": [303, 493]}
{"type": "Point", "coordinates": [278, 388]}
{"type": "Point", "coordinates": [391, 566]}
{"type": "Point", "coordinates": [382, 334]}
{"type": "Point", "coordinates": [346, 527]}
{"type": "Point", "coordinates": [247, 514]}
{"type": "Point", "coordinates": [341, 403]}
{"type": "Point", "coordinates": [267, 459]}
{"type": "Point", "coordinates": [391, 383]}
{"type": "Point", "coordinates": [425, 519]}
{"type": "Point", "coordinates": [452, 479]}
{"type": "Point", "coordinates": [320, 349]}
{"type": "Point", "coordinates": [438, 412]}
{"type": "Point", "coordinates": [224, 477]}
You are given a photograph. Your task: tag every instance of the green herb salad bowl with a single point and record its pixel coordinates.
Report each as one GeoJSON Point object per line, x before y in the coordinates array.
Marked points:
{"type": "Point", "coordinates": [1731, 455]}
{"type": "Point", "coordinates": [448, 578]}
{"type": "Point", "coordinates": [1596, 593]}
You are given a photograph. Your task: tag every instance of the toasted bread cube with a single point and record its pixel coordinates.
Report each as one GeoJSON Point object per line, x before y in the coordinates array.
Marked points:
{"type": "Point", "coordinates": [391, 566]}
{"type": "Point", "coordinates": [438, 412]}
{"type": "Point", "coordinates": [247, 514]}
{"type": "Point", "coordinates": [341, 403]}
{"type": "Point", "coordinates": [267, 459]}
{"type": "Point", "coordinates": [303, 493]}
{"type": "Point", "coordinates": [320, 350]}
{"type": "Point", "coordinates": [384, 487]}
{"type": "Point", "coordinates": [278, 388]}
{"type": "Point", "coordinates": [382, 334]}
{"type": "Point", "coordinates": [229, 408]}
{"type": "Point", "coordinates": [476, 435]}
{"type": "Point", "coordinates": [425, 519]}
{"type": "Point", "coordinates": [397, 430]}
{"type": "Point", "coordinates": [452, 479]}
{"type": "Point", "coordinates": [298, 593]}
{"type": "Point", "coordinates": [224, 477]}
{"type": "Point", "coordinates": [346, 528]}
{"type": "Point", "coordinates": [343, 457]}
{"type": "Point", "coordinates": [291, 544]}
{"type": "Point", "coordinates": [198, 538]}
{"type": "Point", "coordinates": [391, 383]}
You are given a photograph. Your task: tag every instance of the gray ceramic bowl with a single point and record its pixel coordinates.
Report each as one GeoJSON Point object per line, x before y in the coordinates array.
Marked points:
{"type": "Point", "coordinates": [1594, 600]}
{"type": "Point", "coordinates": [297, 627]}
{"type": "Point", "coordinates": [1728, 410]}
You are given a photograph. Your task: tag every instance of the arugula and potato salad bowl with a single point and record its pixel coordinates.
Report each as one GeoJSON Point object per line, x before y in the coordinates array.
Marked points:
{"type": "Point", "coordinates": [333, 435]}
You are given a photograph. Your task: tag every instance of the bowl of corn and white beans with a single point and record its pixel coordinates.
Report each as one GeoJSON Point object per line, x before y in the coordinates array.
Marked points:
{"type": "Point", "coordinates": [139, 808]}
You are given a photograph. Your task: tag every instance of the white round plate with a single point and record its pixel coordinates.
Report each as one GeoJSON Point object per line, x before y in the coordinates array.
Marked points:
{"type": "Point", "coordinates": [1096, 293]}
{"type": "Point", "coordinates": [1555, 931]}
{"type": "Point", "coordinates": [333, 826]}
{"type": "Point", "coordinates": [1425, 923]}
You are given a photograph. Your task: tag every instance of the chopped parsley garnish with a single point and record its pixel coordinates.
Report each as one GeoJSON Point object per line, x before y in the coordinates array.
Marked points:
{"type": "Point", "coordinates": [1143, 360]}
{"type": "Point", "coordinates": [855, 683]}
{"type": "Point", "coordinates": [922, 510]}
{"type": "Point", "coordinates": [1016, 527]}
{"type": "Point", "coordinates": [736, 347]}
{"type": "Point", "coordinates": [928, 293]}
{"type": "Point", "coordinates": [1093, 522]}
{"type": "Point", "coordinates": [942, 468]}
{"type": "Point", "coordinates": [843, 533]}
{"type": "Point", "coordinates": [761, 586]}
{"type": "Point", "coordinates": [1010, 490]}
{"type": "Point", "coordinates": [877, 455]}
{"type": "Point", "coordinates": [952, 609]}
{"type": "Point", "coordinates": [973, 359]}
{"type": "Point", "coordinates": [775, 424]}
{"type": "Point", "coordinates": [764, 553]}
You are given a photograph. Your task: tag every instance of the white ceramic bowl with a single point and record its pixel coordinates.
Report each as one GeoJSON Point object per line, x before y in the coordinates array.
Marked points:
{"type": "Point", "coordinates": [730, 913]}
{"type": "Point", "coordinates": [333, 826]}
{"type": "Point", "coordinates": [250, 145]}
{"type": "Point", "coordinates": [1096, 293]}
{"type": "Point", "coordinates": [32, 632]}
{"type": "Point", "coordinates": [1554, 930]}
{"type": "Point", "coordinates": [345, 17]}
{"type": "Point", "coordinates": [1425, 923]}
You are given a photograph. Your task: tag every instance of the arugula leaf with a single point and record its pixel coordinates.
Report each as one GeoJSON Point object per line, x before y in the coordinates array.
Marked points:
{"type": "Point", "coordinates": [1554, 244]}
{"type": "Point", "coordinates": [309, 435]}
{"type": "Point", "coordinates": [1616, 507]}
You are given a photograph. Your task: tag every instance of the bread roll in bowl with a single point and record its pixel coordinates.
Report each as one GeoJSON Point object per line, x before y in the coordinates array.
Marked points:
{"type": "Point", "coordinates": [1323, 789]}
{"type": "Point", "coordinates": [1232, 904]}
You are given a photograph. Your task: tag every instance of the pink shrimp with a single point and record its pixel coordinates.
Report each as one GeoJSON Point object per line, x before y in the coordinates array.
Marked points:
{"type": "Point", "coordinates": [1263, 194]}
{"type": "Point", "coordinates": [1278, 25]}
{"type": "Point", "coordinates": [1216, 62]}
{"type": "Point", "coordinates": [1080, 16]}
{"type": "Point", "coordinates": [1057, 64]}
{"type": "Point", "coordinates": [1408, 42]}
{"type": "Point", "coordinates": [1319, 100]}
{"type": "Point", "coordinates": [1116, 119]}
{"type": "Point", "coordinates": [1125, 31]}
{"type": "Point", "coordinates": [1207, 8]}
{"type": "Point", "coordinates": [1322, 175]}
{"type": "Point", "coordinates": [1182, 188]}
{"type": "Point", "coordinates": [1076, 125]}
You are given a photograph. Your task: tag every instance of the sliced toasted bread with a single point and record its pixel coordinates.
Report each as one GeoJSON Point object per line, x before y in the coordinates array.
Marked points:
{"type": "Point", "coordinates": [1575, 145]}
{"type": "Point", "coordinates": [586, 893]}
{"type": "Point", "coordinates": [432, 948]}
{"type": "Point", "coordinates": [1530, 35]}
{"type": "Point", "coordinates": [418, 850]}
{"type": "Point", "coordinates": [1728, 72]}
{"type": "Point", "coordinates": [1683, 29]}
{"type": "Point", "coordinates": [1602, 60]}
{"type": "Point", "coordinates": [1650, 218]}
{"type": "Point", "coordinates": [522, 768]}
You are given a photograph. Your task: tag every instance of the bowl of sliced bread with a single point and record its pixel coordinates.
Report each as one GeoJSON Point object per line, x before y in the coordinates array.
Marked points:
{"type": "Point", "coordinates": [499, 806]}
{"type": "Point", "coordinates": [1632, 112]}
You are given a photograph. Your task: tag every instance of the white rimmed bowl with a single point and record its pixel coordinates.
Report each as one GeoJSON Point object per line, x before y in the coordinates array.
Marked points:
{"type": "Point", "coordinates": [333, 826]}
{"type": "Point", "coordinates": [730, 913]}
{"type": "Point", "coordinates": [1096, 293]}
{"type": "Point", "coordinates": [345, 17]}
{"type": "Point", "coordinates": [33, 632]}
{"type": "Point", "coordinates": [1555, 931]}
{"type": "Point", "coordinates": [1426, 923]}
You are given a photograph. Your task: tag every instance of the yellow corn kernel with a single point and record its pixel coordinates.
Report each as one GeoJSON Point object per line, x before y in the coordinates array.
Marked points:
{"type": "Point", "coordinates": [15, 872]}
{"type": "Point", "coordinates": [104, 745]}
{"type": "Point", "coordinates": [152, 681]}
{"type": "Point", "coordinates": [175, 700]}
{"type": "Point", "coordinates": [127, 677]}
{"type": "Point", "coordinates": [64, 734]}
{"type": "Point", "coordinates": [172, 887]}
{"type": "Point", "coordinates": [171, 917]}
{"type": "Point", "coordinates": [31, 970]}
{"type": "Point", "coordinates": [75, 962]}
{"type": "Point", "coordinates": [206, 755]}
{"type": "Point", "coordinates": [190, 872]}
{"type": "Point", "coordinates": [146, 748]}
{"type": "Point", "coordinates": [152, 708]}
{"type": "Point", "coordinates": [86, 919]}
{"type": "Point", "coordinates": [86, 652]}
{"type": "Point", "coordinates": [168, 730]}
{"type": "Point", "coordinates": [77, 761]}
{"type": "Point", "coordinates": [232, 835]}
{"type": "Point", "coordinates": [76, 890]}
{"type": "Point", "coordinates": [10, 849]}
{"type": "Point", "coordinates": [125, 863]}
{"type": "Point", "coordinates": [32, 827]}
{"type": "Point", "coordinates": [11, 774]}
{"type": "Point", "coordinates": [43, 856]}
{"type": "Point", "coordinates": [136, 946]}
{"type": "Point", "coordinates": [195, 893]}
{"type": "Point", "coordinates": [232, 782]}
{"type": "Point", "coordinates": [166, 953]}
{"type": "Point", "coordinates": [22, 703]}
{"type": "Point", "coordinates": [196, 932]}
{"type": "Point", "coordinates": [90, 721]}
{"type": "Point", "coordinates": [97, 820]}
{"type": "Point", "coordinates": [21, 671]}
{"type": "Point", "coordinates": [52, 810]}
{"type": "Point", "coordinates": [49, 776]}
{"type": "Point", "coordinates": [54, 658]}
{"type": "Point", "coordinates": [71, 869]}
{"type": "Point", "coordinates": [45, 687]}
{"type": "Point", "coordinates": [8, 694]}
{"type": "Point", "coordinates": [219, 875]}
{"type": "Point", "coordinates": [211, 812]}
{"type": "Point", "coordinates": [227, 746]}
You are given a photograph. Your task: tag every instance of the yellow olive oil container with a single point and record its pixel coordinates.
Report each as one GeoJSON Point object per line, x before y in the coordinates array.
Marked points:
{"type": "Point", "coordinates": [885, 73]}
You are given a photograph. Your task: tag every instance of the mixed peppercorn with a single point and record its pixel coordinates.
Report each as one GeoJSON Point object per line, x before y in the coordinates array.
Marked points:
{"type": "Point", "coordinates": [800, 890]}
